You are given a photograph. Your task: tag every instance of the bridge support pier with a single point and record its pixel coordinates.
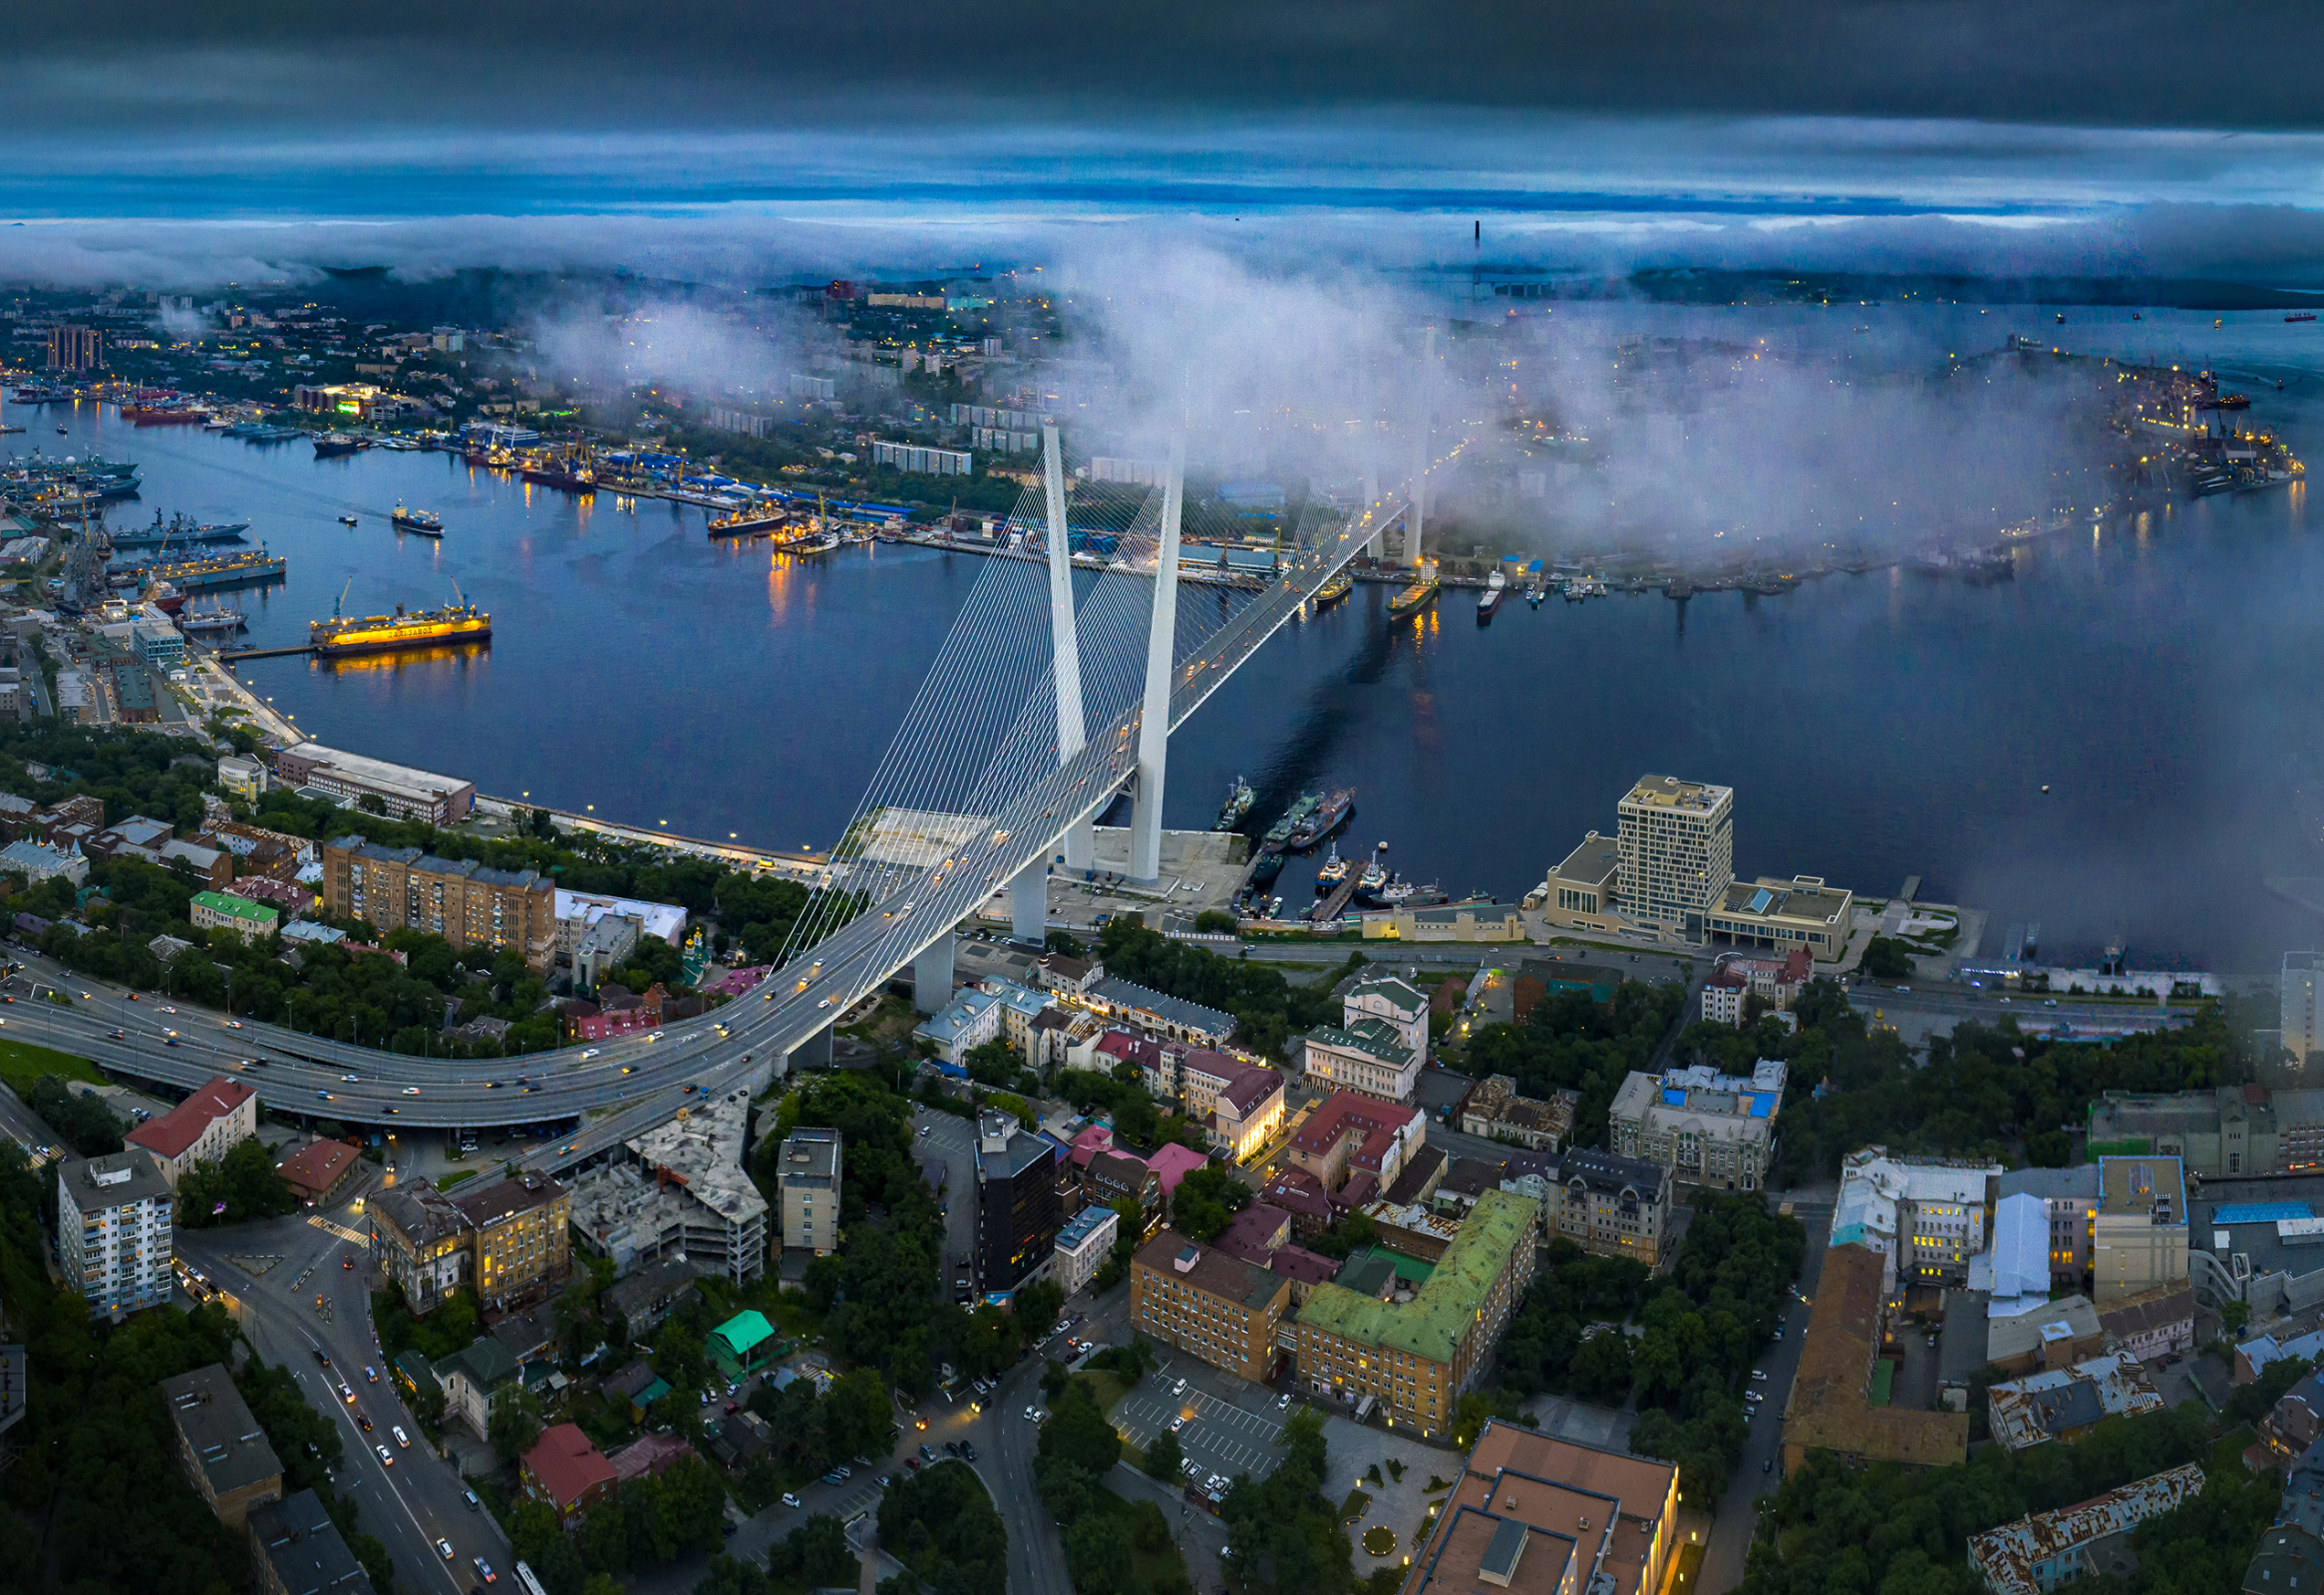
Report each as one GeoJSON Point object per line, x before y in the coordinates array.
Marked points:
{"type": "Point", "coordinates": [931, 976]}
{"type": "Point", "coordinates": [1153, 724]}
{"type": "Point", "coordinates": [813, 1053]}
{"type": "Point", "coordinates": [1065, 649]}
{"type": "Point", "coordinates": [1414, 517]}
{"type": "Point", "coordinates": [1028, 903]}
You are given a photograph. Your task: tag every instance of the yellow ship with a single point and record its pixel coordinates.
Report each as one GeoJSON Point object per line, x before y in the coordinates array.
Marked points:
{"type": "Point", "coordinates": [352, 634]}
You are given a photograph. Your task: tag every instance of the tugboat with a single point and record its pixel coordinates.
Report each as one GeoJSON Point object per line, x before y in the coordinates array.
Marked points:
{"type": "Point", "coordinates": [1239, 797]}
{"type": "Point", "coordinates": [1332, 874]}
{"type": "Point", "coordinates": [1496, 588]}
{"type": "Point", "coordinates": [346, 520]}
{"type": "Point", "coordinates": [422, 521]}
{"type": "Point", "coordinates": [1328, 817]}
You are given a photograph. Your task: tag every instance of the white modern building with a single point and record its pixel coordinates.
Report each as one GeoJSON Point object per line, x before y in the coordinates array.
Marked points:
{"type": "Point", "coordinates": [1677, 842]}
{"type": "Point", "coordinates": [113, 1234]}
{"type": "Point", "coordinates": [577, 911]}
{"type": "Point", "coordinates": [1081, 1246]}
{"type": "Point", "coordinates": [2303, 973]}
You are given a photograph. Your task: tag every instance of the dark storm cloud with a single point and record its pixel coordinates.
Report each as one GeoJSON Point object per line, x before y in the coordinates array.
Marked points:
{"type": "Point", "coordinates": [2084, 62]}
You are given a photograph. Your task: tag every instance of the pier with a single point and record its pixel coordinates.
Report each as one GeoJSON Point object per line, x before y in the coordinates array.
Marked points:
{"type": "Point", "coordinates": [228, 656]}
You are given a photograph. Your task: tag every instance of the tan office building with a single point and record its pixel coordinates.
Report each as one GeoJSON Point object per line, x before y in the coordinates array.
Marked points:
{"type": "Point", "coordinates": [523, 1240]}
{"type": "Point", "coordinates": [1208, 1303]}
{"type": "Point", "coordinates": [469, 906]}
{"type": "Point", "coordinates": [1533, 1513]}
{"type": "Point", "coordinates": [2138, 1238]}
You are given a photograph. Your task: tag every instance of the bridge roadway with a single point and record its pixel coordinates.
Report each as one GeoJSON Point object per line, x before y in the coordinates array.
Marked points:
{"type": "Point", "coordinates": [617, 1089]}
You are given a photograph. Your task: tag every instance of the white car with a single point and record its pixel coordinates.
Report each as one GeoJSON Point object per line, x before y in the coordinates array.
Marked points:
{"type": "Point", "coordinates": [1179, 1423]}
{"type": "Point", "coordinates": [588, 1052]}
{"type": "Point", "coordinates": [349, 1079]}
{"type": "Point", "coordinates": [387, 1457]}
{"type": "Point", "coordinates": [444, 1549]}
{"type": "Point", "coordinates": [1759, 1375]}
{"type": "Point", "coordinates": [410, 1091]}
{"type": "Point", "coordinates": [402, 1440]}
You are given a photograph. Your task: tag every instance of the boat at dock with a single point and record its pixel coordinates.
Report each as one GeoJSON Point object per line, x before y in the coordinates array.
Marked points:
{"type": "Point", "coordinates": [1239, 797]}
{"type": "Point", "coordinates": [1332, 591]}
{"type": "Point", "coordinates": [1496, 588]}
{"type": "Point", "coordinates": [1267, 866]}
{"type": "Point", "coordinates": [815, 543]}
{"type": "Point", "coordinates": [749, 520]}
{"type": "Point", "coordinates": [217, 570]}
{"type": "Point", "coordinates": [1416, 597]}
{"type": "Point", "coordinates": [181, 530]}
{"type": "Point", "coordinates": [571, 472]}
{"type": "Point", "coordinates": [1328, 816]}
{"type": "Point", "coordinates": [382, 633]}
{"type": "Point", "coordinates": [1332, 873]}
{"type": "Point", "coordinates": [332, 444]}
{"type": "Point", "coordinates": [1279, 833]}
{"type": "Point", "coordinates": [426, 523]}
{"type": "Point", "coordinates": [211, 622]}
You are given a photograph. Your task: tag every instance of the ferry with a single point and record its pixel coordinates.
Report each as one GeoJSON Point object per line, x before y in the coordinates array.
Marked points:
{"type": "Point", "coordinates": [1418, 597]}
{"type": "Point", "coordinates": [1329, 816]}
{"type": "Point", "coordinates": [747, 520]}
{"type": "Point", "coordinates": [380, 633]}
{"type": "Point", "coordinates": [1496, 588]}
{"type": "Point", "coordinates": [425, 523]}
{"type": "Point", "coordinates": [1239, 797]}
{"type": "Point", "coordinates": [1332, 591]}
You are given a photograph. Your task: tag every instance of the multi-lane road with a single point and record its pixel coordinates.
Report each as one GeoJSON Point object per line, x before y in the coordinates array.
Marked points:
{"type": "Point", "coordinates": [273, 1274]}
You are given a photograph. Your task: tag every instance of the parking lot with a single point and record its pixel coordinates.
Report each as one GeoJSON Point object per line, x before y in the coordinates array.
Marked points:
{"type": "Point", "coordinates": [941, 1135]}
{"type": "Point", "coordinates": [1231, 1427]}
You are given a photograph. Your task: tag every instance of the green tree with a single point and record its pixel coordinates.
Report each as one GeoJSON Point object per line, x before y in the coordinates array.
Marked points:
{"type": "Point", "coordinates": [1098, 1555]}
{"type": "Point", "coordinates": [1206, 1200]}
{"type": "Point", "coordinates": [513, 1426]}
{"type": "Point", "coordinates": [1077, 1432]}
{"type": "Point", "coordinates": [1162, 1456]}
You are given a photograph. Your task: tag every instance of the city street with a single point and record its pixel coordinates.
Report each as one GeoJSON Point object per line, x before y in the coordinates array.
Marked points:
{"type": "Point", "coordinates": [273, 1273]}
{"type": "Point", "coordinates": [1757, 1471]}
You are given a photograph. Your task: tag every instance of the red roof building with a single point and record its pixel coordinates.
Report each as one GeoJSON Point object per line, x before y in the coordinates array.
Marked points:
{"type": "Point", "coordinates": [1351, 1133]}
{"type": "Point", "coordinates": [567, 1472]}
{"type": "Point", "coordinates": [317, 1171]}
{"type": "Point", "coordinates": [200, 1128]}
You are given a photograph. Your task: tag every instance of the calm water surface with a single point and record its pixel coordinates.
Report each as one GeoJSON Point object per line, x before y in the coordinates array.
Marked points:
{"type": "Point", "coordinates": [2163, 676]}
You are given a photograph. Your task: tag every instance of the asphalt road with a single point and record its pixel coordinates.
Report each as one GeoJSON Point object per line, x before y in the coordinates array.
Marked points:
{"type": "Point", "coordinates": [1759, 1470]}
{"type": "Point", "coordinates": [417, 1499]}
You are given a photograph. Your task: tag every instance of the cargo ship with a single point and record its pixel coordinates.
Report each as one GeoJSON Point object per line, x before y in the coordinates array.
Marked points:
{"type": "Point", "coordinates": [217, 570]}
{"type": "Point", "coordinates": [2306, 316]}
{"type": "Point", "coordinates": [1497, 587]}
{"type": "Point", "coordinates": [1332, 591]}
{"type": "Point", "coordinates": [572, 472]}
{"type": "Point", "coordinates": [334, 443]}
{"type": "Point", "coordinates": [1329, 816]}
{"type": "Point", "coordinates": [1239, 797]}
{"type": "Point", "coordinates": [349, 634]}
{"type": "Point", "coordinates": [418, 521]}
{"type": "Point", "coordinates": [1279, 833]}
{"type": "Point", "coordinates": [1418, 597]}
{"type": "Point", "coordinates": [748, 520]}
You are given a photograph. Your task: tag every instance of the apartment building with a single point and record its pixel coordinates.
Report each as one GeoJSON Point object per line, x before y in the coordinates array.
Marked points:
{"type": "Point", "coordinates": [2303, 983]}
{"type": "Point", "coordinates": [1677, 841]}
{"type": "Point", "coordinates": [404, 792]}
{"type": "Point", "coordinates": [1414, 1357]}
{"type": "Point", "coordinates": [807, 1175]}
{"type": "Point", "coordinates": [295, 1549]}
{"type": "Point", "coordinates": [1083, 1246]}
{"type": "Point", "coordinates": [518, 1229]}
{"type": "Point", "coordinates": [400, 888]}
{"type": "Point", "coordinates": [224, 910]}
{"type": "Point", "coordinates": [420, 1242]}
{"type": "Point", "coordinates": [1610, 1205]}
{"type": "Point", "coordinates": [2069, 1198]}
{"type": "Point", "coordinates": [682, 1188]}
{"type": "Point", "coordinates": [200, 1130]}
{"type": "Point", "coordinates": [2043, 1551]}
{"type": "Point", "coordinates": [115, 1239]}
{"type": "Point", "coordinates": [1239, 1103]}
{"type": "Point", "coordinates": [221, 1448]}
{"type": "Point", "coordinates": [1708, 1128]}
{"type": "Point", "coordinates": [1208, 1303]}
{"type": "Point", "coordinates": [1925, 1217]}
{"type": "Point", "coordinates": [1495, 1112]}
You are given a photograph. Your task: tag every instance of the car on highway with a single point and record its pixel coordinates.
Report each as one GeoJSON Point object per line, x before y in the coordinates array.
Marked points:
{"type": "Point", "coordinates": [410, 1091]}
{"type": "Point", "coordinates": [402, 1441]}
{"type": "Point", "coordinates": [444, 1549]}
{"type": "Point", "coordinates": [363, 1421]}
{"type": "Point", "coordinates": [234, 1024]}
{"type": "Point", "coordinates": [322, 1356]}
{"type": "Point", "coordinates": [387, 1458]}
{"type": "Point", "coordinates": [349, 1079]}
{"type": "Point", "coordinates": [323, 1096]}
{"type": "Point", "coordinates": [588, 1052]}
{"type": "Point", "coordinates": [485, 1570]}
{"type": "Point", "coordinates": [120, 1035]}
{"type": "Point", "coordinates": [345, 1394]}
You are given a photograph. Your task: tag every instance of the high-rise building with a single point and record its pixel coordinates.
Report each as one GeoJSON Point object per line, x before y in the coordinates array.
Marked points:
{"type": "Point", "coordinates": [76, 349]}
{"type": "Point", "coordinates": [113, 1234]}
{"type": "Point", "coordinates": [1677, 841]}
{"type": "Point", "coordinates": [1018, 1213]}
{"type": "Point", "coordinates": [467, 904]}
{"type": "Point", "coordinates": [2303, 973]}
{"type": "Point", "coordinates": [808, 1177]}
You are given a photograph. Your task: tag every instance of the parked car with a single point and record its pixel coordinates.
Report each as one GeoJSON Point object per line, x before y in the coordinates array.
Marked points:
{"type": "Point", "coordinates": [789, 1500]}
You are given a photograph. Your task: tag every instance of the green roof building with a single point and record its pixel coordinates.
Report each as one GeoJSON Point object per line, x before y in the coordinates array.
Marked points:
{"type": "Point", "coordinates": [743, 1342]}
{"type": "Point", "coordinates": [223, 910]}
{"type": "Point", "coordinates": [1412, 1357]}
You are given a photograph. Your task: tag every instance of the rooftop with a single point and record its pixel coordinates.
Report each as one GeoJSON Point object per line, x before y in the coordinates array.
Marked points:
{"type": "Point", "coordinates": [506, 1198]}
{"type": "Point", "coordinates": [703, 1149]}
{"type": "Point", "coordinates": [2043, 1406]}
{"type": "Point", "coordinates": [566, 1464]}
{"type": "Point", "coordinates": [2008, 1557]}
{"type": "Point", "coordinates": [304, 1547]}
{"type": "Point", "coordinates": [233, 908]}
{"type": "Point", "coordinates": [374, 772]}
{"type": "Point", "coordinates": [1570, 1503]}
{"type": "Point", "coordinates": [115, 1180]}
{"type": "Point", "coordinates": [1668, 791]}
{"type": "Point", "coordinates": [316, 1165]}
{"type": "Point", "coordinates": [1596, 862]}
{"type": "Point", "coordinates": [1116, 993]}
{"type": "Point", "coordinates": [1828, 1408]}
{"type": "Point", "coordinates": [1435, 1321]}
{"type": "Point", "coordinates": [217, 1423]}
{"type": "Point", "coordinates": [2141, 1188]}
{"type": "Point", "coordinates": [183, 1126]}
{"type": "Point", "coordinates": [1210, 1270]}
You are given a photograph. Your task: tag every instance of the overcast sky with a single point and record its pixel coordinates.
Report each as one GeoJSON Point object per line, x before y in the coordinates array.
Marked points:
{"type": "Point", "coordinates": [2038, 135]}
